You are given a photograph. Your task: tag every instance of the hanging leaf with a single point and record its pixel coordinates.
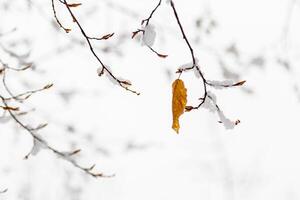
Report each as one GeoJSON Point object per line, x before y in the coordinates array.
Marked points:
{"type": "Point", "coordinates": [178, 102]}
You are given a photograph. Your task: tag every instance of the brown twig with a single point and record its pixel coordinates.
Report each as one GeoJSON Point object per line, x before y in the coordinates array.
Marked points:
{"type": "Point", "coordinates": [151, 14]}
{"type": "Point", "coordinates": [193, 58]}
{"type": "Point", "coordinates": [22, 96]}
{"type": "Point", "coordinates": [36, 138]}
{"type": "Point", "coordinates": [87, 38]}
{"type": "Point", "coordinates": [104, 37]}
{"type": "Point", "coordinates": [147, 20]}
{"type": "Point", "coordinates": [67, 30]}
{"type": "Point", "coordinates": [195, 66]}
{"type": "Point", "coordinates": [158, 54]}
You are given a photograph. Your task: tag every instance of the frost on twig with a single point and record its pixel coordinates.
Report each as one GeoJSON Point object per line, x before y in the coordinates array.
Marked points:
{"type": "Point", "coordinates": [39, 143]}
{"type": "Point", "coordinates": [190, 66]}
{"type": "Point", "coordinates": [208, 100]}
{"type": "Point", "coordinates": [149, 34]}
{"type": "Point", "coordinates": [12, 106]}
{"type": "Point", "coordinates": [211, 104]}
{"type": "Point", "coordinates": [124, 83]}
{"type": "Point", "coordinates": [36, 147]}
{"type": "Point", "coordinates": [224, 84]}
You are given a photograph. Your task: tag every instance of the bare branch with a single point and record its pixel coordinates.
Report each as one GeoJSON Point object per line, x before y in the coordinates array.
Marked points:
{"type": "Point", "coordinates": [193, 56]}
{"type": "Point", "coordinates": [151, 14]}
{"type": "Point", "coordinates": [67, 30]}
{"type": "Point", "coordinates": [35, 137]}
{"type": "Point", "coordinates": [146, 22]}
{"type": "Point", "coordinates": [104, 37]}
{"type": "Point", "coordinates": [87, 38]}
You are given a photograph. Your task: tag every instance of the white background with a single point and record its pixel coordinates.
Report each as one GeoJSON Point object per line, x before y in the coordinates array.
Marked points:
{"type": "Point", "coordinates": [131, 136]}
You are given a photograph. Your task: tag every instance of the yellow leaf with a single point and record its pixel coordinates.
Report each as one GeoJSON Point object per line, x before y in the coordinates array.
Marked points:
{"type": "Point", "coordinates": [178, 102]}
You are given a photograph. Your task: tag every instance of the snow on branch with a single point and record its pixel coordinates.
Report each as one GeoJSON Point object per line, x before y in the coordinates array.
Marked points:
{"type": "Point", "coordinates": [211, 104]}
{"type": "Point", "coordinates": [208, 100]}
{"type": "Point", "coordinates": [11, 111]}
{"type": "Point", "coordinates": [149, 34]}
{"type": "Point", "coordinates": [88, 39]}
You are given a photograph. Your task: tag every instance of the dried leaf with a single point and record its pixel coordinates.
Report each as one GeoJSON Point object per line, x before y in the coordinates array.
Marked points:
{"type": "Point", "coordinates": [239, 83]}
{"type": "Point", "coordinates": [179, 101]}
{"type": "Point", "coordinates": [162, 55]}
{"type": "Point", "coordinates": [26, 97]}
{"type": "Point", "coordinates": [48, 86]}
{"type": "Point", "coordinates": [189, 108]}
{"type": "Point", "coordinates": [74, 152]}
{"type": "Point", "coordinates": [126, 82]}
{"type": "Point", "coordinates": [9, 108]}
{"type": "Point", "coordinates": [134, 34]}
{"type": "Point", "coordinates": [26, 67]}
{"type": "Point", "coordinates": [73, 5]}
{"type": "Point", "coordinates": [107, 36]}
{"type": "Point", "coordinates": [67, 30]}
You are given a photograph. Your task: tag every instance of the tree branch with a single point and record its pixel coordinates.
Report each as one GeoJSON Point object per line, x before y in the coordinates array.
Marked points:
{"type": "Point", "coordinates": [193, 58]}
{"type": "Point", "coordinates": [87, 38]}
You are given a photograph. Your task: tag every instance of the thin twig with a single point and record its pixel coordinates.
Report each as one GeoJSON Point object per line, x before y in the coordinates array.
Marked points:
{"type": "Point", "coordinates": [87, 38]}
{"type": "Point", "coordinates": [193, 57]}
{"type": "Point", "coordinates": [64, 156]}
{"type": "Point", "coordinates": [151, 14]}
{"type": "Point", "coordinates": [104, 37]}
{"type": "Point", "coordinates": [147, 20]}
{"type": "Point", "coordinates": [12, 111]}
{"type": "Point", "coordinates": [67, 30]}
{"type": "Point", "coordinates": [27, 94]}
{"type": "Point", "coordinates": [197, 68]}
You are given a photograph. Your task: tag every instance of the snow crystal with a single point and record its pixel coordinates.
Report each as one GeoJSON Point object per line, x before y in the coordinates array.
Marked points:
{"type": "Point", "coordinates": [149, 35]}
